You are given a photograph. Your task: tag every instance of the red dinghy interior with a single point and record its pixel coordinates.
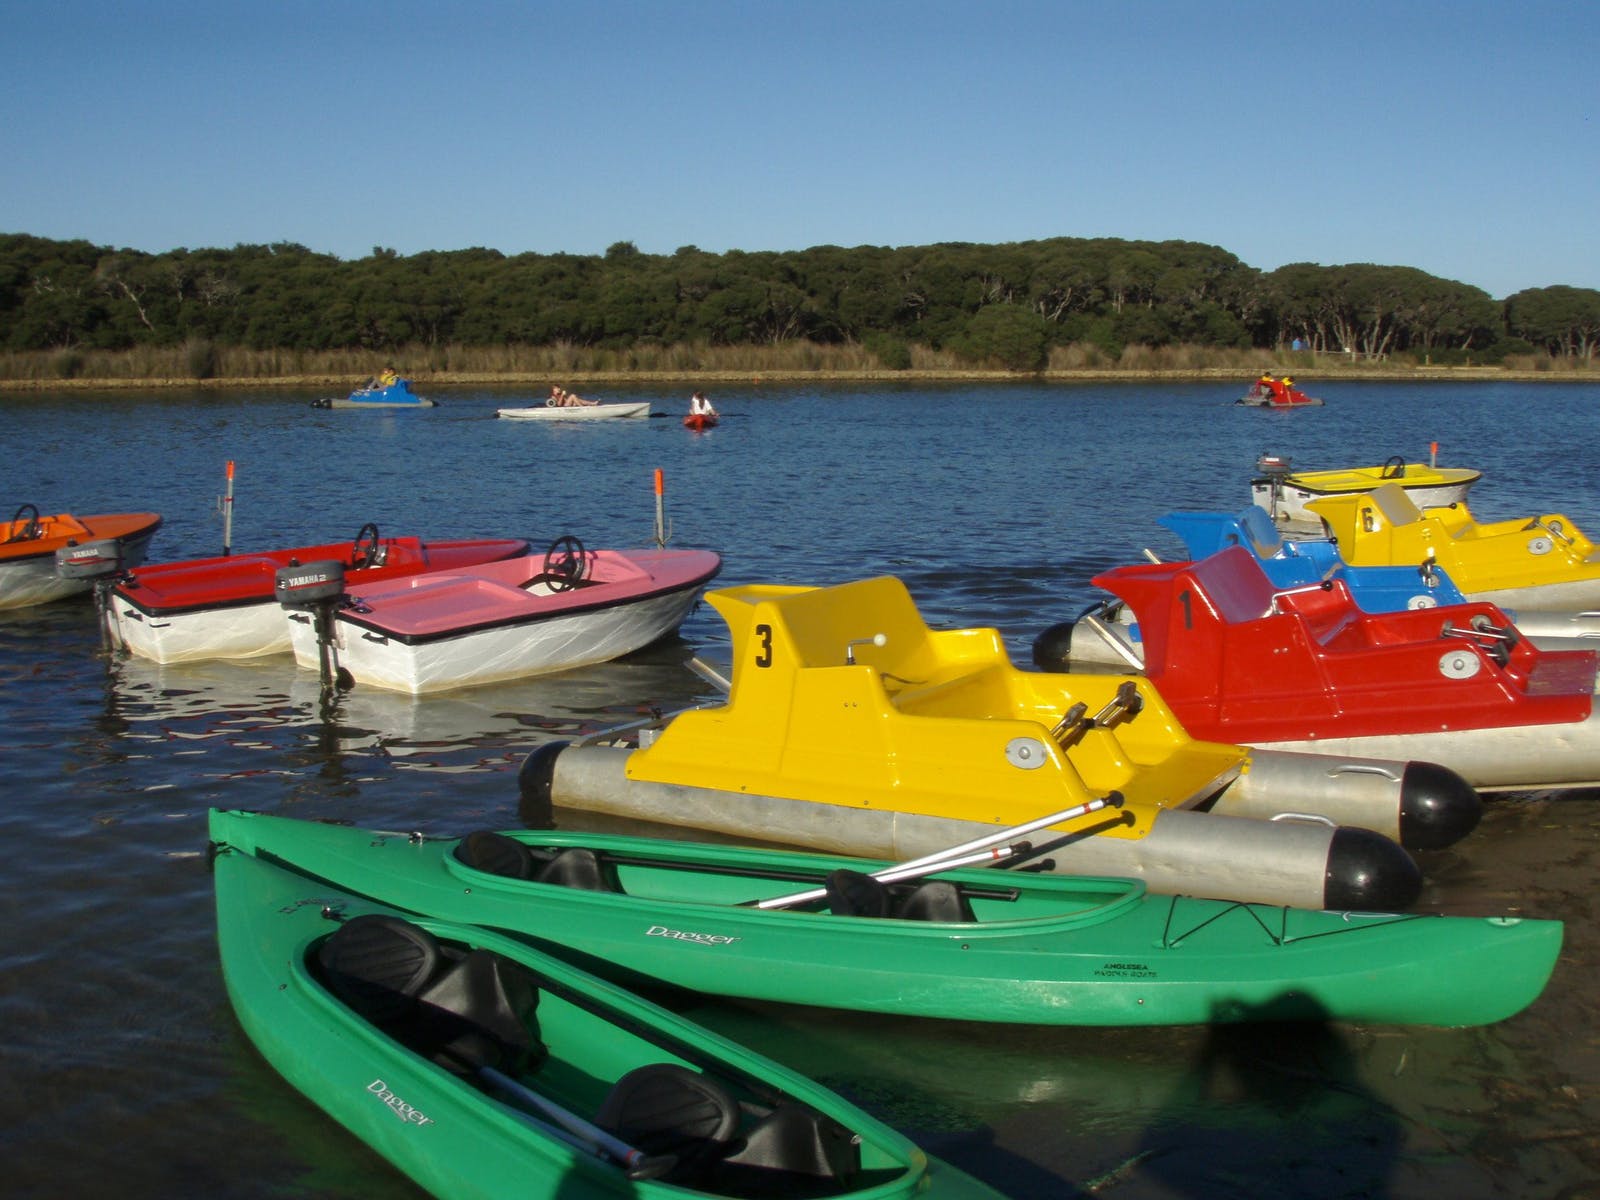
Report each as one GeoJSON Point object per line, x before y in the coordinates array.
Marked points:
{"type": "Point", "coordinates": [249, 578]}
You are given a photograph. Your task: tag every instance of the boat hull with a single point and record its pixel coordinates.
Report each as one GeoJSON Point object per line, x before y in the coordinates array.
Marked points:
{"type": "Point", "coordinates": [225, 607]}
{"type": "Point", "coordinates": [1039, 949]}
{"type": "Point", "coordinates": [447, 1131]}
{"type": "Point", "coordinates": [396, 395]}
{"type": "Point", "coordinates": [1428, 487]}
{"type": "Point", "coordinates": [449, 630]}
{"type": "Point", "coordinates": [28, 574]}
{"type": "Point", "coordinates": [592, 412]}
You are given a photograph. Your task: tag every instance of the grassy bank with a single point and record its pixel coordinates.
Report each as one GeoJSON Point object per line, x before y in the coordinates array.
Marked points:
{"type": "Point", "coordinates": [205, 365]}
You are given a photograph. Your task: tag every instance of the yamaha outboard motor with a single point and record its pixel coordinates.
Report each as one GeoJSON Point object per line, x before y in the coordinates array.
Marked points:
{"type": "Point", "coordinates": [101, 563]}
{"type": "Point", "coordinates": [315, 592]}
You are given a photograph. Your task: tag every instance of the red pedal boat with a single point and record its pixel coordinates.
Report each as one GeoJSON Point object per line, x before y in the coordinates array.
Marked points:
{"type": "Point", "coordinates": [29, 544]}
{"type": "Point", "coordinates": [226, 608]}
{"type": "Point", "coordinates": [1306, 669]}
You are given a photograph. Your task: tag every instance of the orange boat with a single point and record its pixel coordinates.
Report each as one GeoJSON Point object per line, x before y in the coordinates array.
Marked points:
{"type": "Point", "coordinates": [29, 541]}
{"type": "Point", "coordinates": [699, 421]}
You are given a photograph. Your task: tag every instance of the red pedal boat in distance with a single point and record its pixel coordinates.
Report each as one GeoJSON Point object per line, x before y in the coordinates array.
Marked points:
{"type": "Point", "coordinates": [699, 421]}
{"type": "Point", "coordinates": [29, 542]}
{"type": "Point", "coordinates": [226, 608]}
{"type": "Point", "coordinates": [1306, 669]}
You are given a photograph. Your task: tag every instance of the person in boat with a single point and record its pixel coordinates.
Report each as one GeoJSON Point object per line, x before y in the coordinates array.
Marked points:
{"type": "Point", "coordinates": [389, 378]}
{"type": "Point", "coordinates": [561, 398]}
{"type": "Point", "coordinates": [1280, 390]}
{"type": "Point", "coordinates": [701, 406]}
{"type": "Point", "coordinates": [1263, 386]}
{"type": "Point", "coordinates": [1288, 389]}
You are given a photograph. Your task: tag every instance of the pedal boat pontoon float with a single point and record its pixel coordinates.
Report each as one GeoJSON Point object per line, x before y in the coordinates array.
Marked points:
{"type": "Point", "coordinates": [1304, 669]}
{"type": "Point", "coordinates": [852, 727]}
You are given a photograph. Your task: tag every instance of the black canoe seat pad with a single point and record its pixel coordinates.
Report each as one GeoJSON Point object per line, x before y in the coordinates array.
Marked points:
{"type": "Point", "coordinates": [463, 1009]}
{"type": "Point", "coordinates": [573, 866]}
{"type": "Point", "coordinates": [855, 894]}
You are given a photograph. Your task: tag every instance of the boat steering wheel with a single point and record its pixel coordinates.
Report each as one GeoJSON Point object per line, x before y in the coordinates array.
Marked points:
{"type": "Point", "coordinates": [367, 550]}
{"type": "Point", "coordinates": [1394, 468]}
{"type": "Point", "coordinates": [32, 529]}
{"type": "Point", "coordinates": [565, 564]}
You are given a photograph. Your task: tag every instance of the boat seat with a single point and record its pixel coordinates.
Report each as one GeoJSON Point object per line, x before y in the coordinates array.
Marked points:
{"type": "Point", "coordinates": [1263, 536]}
{"type": "Point", "coordinates": [463, 1009]}
{"type": "Point", "coordinates": [664, 1108]}
{"type": "Point", "coordinates": [1396, 506]}
{"type": "Point", "coordinates": [578, 867]}
{"type": "Point", "coordinates": [793, 1151]}
{"type": "Point", "coordinates": [572, 866]}
{"type": "Point", "coordinates": [1235, 584]}
{"type": "Point", "coordinates": [935, 900]}
{"type": "Point", "coordinates": [856, 894]}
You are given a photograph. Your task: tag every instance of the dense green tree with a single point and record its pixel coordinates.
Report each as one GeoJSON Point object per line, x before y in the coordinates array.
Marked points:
{"type": "Point", "coordinates": [997, 303]}
{"type": "Point", "coordinates": [1564, 320]}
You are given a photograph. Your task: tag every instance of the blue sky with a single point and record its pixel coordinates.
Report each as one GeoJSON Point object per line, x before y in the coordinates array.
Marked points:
{"type": "Point", "coordinates": [1459, 138]}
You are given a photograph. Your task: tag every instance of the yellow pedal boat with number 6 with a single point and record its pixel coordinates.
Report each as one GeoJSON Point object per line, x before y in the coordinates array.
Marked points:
{"type": "Point", "coordinates": [1544, 563]}
{"type": "Point", "coordinates": [852, 727]}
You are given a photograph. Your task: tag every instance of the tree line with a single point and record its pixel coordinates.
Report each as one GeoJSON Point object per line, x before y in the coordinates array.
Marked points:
{"type": "Point", "coordinates": [1001, 305]}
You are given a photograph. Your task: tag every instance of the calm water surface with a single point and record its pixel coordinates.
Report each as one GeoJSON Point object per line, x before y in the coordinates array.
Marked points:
{"type": "Point", "coordinates": [122, 1063]}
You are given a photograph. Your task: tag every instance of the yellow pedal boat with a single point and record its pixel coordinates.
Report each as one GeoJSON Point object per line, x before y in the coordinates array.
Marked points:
{"type": "Point", "coordinates": [853, 727]}
{"type": "Point", "coordinates": [1544, 563]}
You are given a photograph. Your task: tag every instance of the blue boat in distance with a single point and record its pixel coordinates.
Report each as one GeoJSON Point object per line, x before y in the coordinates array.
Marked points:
{"type": "Point", "coordinates": [386, 391]}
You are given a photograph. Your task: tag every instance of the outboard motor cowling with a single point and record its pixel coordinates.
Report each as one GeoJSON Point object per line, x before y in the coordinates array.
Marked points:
{"type": "Point", "coordinates": [91, 560]}
{"type": "Point", "coordinates": [309, 585]}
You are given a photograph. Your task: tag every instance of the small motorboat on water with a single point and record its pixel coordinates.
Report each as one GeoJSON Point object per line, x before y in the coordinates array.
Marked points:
{"type": "Point", "coordinates": [488, 621]}
{"type": "Point", "coordinates": [1305, 669]}
{"type": "Point", "coordinates": [226, 608]}
{"type": "Point", "coordinates": [396, 393]}
{"type": "Point", "coordinates": [480, 1066]}
{"type": "Point", "coordinates": [701, 421]}
{"type": "Point", "coordinates": [1543, 562]}
{"type": "Point", "coordinates": [1268, 392]}
{"type": "Point", "coordinates": [926, 941]}
{"type": "Point", "coordinates": [31, 543]}
{"type": "Point", "coordinates": [1285, 492]}
{"type": "Point", "coordinates": [604, 411]}
{"type": "Point", "coordinates": [852, 727]}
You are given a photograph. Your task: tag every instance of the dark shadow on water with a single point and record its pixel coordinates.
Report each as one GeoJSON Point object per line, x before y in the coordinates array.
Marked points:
{"type": "Point", "coordinates": [1270, 1108]}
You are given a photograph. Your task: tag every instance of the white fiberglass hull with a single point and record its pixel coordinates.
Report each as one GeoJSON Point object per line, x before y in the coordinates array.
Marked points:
{"type": "Point", "coordinates": [592, 412]}
{"type": "Point", "coordinates": [537, 646]}
{"type": "Point", "coordinates": [235, 631]}
{"type": "Point", "coordinates": [1290, 506]}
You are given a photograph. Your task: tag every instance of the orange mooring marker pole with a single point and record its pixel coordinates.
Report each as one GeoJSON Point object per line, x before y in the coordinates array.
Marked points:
{"type": "Point", "coordinates": [225, 504]}
{"type": "Point", "coordinates": [1433, 454]}
{"type": "Point", "coordinates": [661, 492]}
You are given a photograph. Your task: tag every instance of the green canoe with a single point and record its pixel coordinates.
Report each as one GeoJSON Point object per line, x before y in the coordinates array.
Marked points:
{"type": "Point", "coordinates": [482, 1068]}
{"type": "Point", "coordinates": [989, 945]}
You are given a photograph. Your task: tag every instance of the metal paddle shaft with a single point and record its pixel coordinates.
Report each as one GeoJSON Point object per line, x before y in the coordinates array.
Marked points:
{"type": "Point", "coordinates": [967, 853]}
{"type": "Point", "coordinates": [586, 1134]}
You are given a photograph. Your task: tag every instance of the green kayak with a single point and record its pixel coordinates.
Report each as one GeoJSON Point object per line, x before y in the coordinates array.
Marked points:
{"type": "Point", "coordinates": [969, 944]}
{"type": "Point", "coordinates": [482, 1068]}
